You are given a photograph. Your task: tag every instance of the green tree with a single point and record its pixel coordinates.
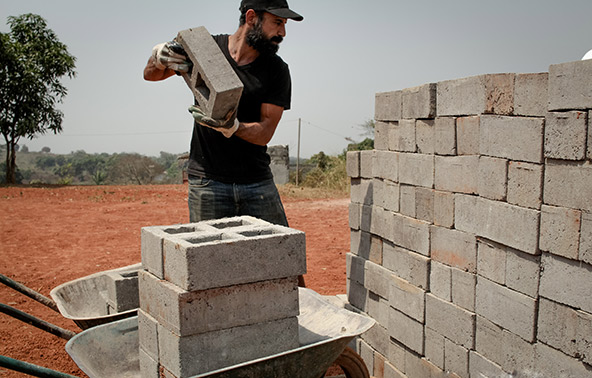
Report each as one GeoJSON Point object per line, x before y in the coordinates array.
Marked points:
{"type": "Point", "coordinates": [32, 62]}
{"type": "Point", "coordinates": [133, 169]}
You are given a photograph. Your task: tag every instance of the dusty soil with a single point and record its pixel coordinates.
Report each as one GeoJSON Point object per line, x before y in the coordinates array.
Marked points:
{"type": "Point", "coordinates": [49, 236]}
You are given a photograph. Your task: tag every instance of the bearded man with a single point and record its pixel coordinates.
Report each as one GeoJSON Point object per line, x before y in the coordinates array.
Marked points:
{"type": "Point", "coordinates": [229, 173]}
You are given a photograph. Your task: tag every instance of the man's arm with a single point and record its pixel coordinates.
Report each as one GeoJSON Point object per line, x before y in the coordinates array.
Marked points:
{"type": "Point", "coordinates": [260, 133]}
{"type": "Point", "coordinates": [153, 73]}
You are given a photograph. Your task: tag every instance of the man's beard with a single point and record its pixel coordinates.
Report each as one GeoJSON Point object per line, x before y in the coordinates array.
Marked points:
{"type": "Point", "coordinates": [257, 40]}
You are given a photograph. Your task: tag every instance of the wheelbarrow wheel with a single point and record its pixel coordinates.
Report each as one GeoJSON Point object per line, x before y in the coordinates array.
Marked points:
{"type": "Point", "coordinates": [352, 364]}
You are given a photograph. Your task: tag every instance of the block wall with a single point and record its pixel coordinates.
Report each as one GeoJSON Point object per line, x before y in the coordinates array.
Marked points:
{"type": "Point", "coordinates": [471, 228]}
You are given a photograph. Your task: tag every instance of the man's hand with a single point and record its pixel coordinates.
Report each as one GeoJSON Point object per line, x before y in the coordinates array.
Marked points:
{"type": "Point", "coordinates": [171, 55]}
{"type": "Point", "coordinates": [226, 126]}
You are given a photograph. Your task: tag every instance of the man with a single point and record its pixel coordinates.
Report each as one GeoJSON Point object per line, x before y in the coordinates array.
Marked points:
{"type": "Point", "coordinates": [228, 169]}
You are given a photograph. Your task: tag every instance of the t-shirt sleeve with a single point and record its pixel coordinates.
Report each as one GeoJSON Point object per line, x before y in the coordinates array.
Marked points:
{"type": "Point", "coordinates": [280, 92]}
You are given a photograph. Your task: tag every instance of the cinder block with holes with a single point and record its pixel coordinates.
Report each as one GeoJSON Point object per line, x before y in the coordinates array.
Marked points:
{"type": "Point", "coordinates": [212, 80]}
{"type": "Point", "coordinates": [122, 290]}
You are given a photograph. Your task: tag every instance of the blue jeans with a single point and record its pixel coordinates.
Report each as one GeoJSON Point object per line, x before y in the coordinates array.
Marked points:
{"type": "Point", "coordinates": [209, 199]}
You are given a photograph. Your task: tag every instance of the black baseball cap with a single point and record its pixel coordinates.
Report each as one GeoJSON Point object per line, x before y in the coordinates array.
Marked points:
{"type": "Point", "coordinates": [276, 7]}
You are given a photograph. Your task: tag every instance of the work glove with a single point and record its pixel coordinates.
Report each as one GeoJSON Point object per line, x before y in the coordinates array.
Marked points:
{"type": "Point", "coordinates": [226, 126]}
{"type": "Point", "coordinates": [171, 55]}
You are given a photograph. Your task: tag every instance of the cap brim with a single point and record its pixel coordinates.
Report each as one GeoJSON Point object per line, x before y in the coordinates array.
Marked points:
{"type": "Point", "coordinates": [286, 13]}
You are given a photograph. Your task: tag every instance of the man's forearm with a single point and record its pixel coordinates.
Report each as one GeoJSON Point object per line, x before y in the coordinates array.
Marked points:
{"type": "Point", "coordinates": [153, 73]}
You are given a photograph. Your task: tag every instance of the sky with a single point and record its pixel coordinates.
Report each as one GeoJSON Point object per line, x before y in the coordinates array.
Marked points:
{"type": "Point", "coordinates": [340, 56]}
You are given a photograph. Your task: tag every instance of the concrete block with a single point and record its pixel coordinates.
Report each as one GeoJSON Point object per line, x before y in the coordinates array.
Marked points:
{"type": "Point", "coordinates": [402, 136]}
{"type": "Point", "coordinates": [454, 248]}
{"type": "Point", "coordinates": [485, 94]}
{"type": "Point", "coordinates": [362, 191]}
{"type": "Point", "coordinates": [531, 94]}
{"type": "Point", "coordinates": [406, 330]}
{"type": "Point", "coordinates": [445, 136]}
{"type": "Point", "coordinates": [425, 136]}
{"type": "Point", "coordinates": [407, 201]}
{"type": "Point", "coordinates": [585, 253]}
{"type": "Point", "coordinates": [187, 313]}
{"type": "Point", "coordinates": [463, 289]}
{"type": "Point", "coordinates": [122, 290]}
{"type": "Point", "coordinates": [411, 234]}
{"type": "Point", "coordinates": [149, 367]}
{"type": "Point", "coordinates": [570, 85]}
{"type": "Point", "coordinates": [514, 138]}
{"type": "Point", "coordinates": [525, 184]}
{"type": "Point", "coordinates": [360, 243]}
{"type": "Point", "coordinates": [510, 225]}
{"type": "Point", "coordinates": [391, 196]}
{"type": "Point", "coordinates": [489, 340]}
{"type": "Point", "coordinates": [491, 261]}
{"type": "Point", "coordinates": [553, 363]}
{"type": "Point", "coordinates": [419, 102]}
{"type": "Point", "coordinates": [576, 176]}
{"type": "Point", "coordinates": [377, 308]}
{"type": "Point", "coordinates": [390, 371]}
{"type": "Point", "coordinates": [416, 169]}
{"type": "Point", "coordinates": [418, 367]}
{"type": "Point", "coordinates": [410, 266]}
{"type": "Point", "coordinates": [424, 204]}
{"type": "Point", "coordinates": [589, 150]}
{"type": "Point", "coordinates": [378, 192]}
{"type": "Point", "coordinates": [386, 165]}
{"type": "Point", "coordinates": [565, 135]}
{"type": "Point", "coordinates": [377, 338]}
{"type": "Point", "coordinates": [367, 354]}
{"type": "Point", "coordinates": [407, 298]}
{"type": "Point", "coordinates": [353, 164]}
{"type": "Point", "coordinates": [522, 273]}
{"type": "Point", "coordinates": [514, 311]}
{"type": "Point", "coordinates": [451, 321]}
{"type": "Point", "coordinates": [457, 173]}
{"type": "Point", "coordinates": [355, 268]}
{"type": "Point", "coordinates": [354, 216]}
{"type": "Point", "coordinates": [208, 260]}
{"type": "Point", "coordinates": [492, 181]}
{"type": "Point", "coordinates": [560, 231]}
{"type": "Point", "coordinates": [434, 347]}
{"type": "Point", "coordinates": [357, 295]}
{"type": "Point", "coordinates": [443, 209]}
{"type": "Point", "coordinates": [467, 135]}
{"type": "Point", "coordinates": [388, 106]}
{"type": "Point", "coordinates": [377, 279]}
{"type": "Point", "coordinates": [381, 136]}
{"type": "Point", "coordinates": [480, 366]}
{"type": "Point", "coordinates": [376, 250]}
{"type": "Point", "coordinates": [367, 164]}
{"type": "Point", "coordinates": [396, 355]}
{"type": "Point", "coordinates": [148, 334]}
{"type": "Point", "coordinates": [381, 222]}
{"type": "Point", "coordinates": [566, 281]}
{"type": "Point", "coordinates": [379, 362]}
{"type": "Point", "coordinates": [441, 281]}
{"type": "Point", "coordinates": [192, 355]}
{"type": "Point", "coordinates": [214, 84]}
{"type": "Point", "coordinates": [456, 358]}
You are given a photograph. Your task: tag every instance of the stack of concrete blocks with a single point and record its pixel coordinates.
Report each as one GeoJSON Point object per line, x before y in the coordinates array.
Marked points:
{"type": "Point", "coordinates": [217, 293]}
{"type": "Point", "coordinates": [280, 164]}
{"type": "Point", "coordinates": [471, 228]}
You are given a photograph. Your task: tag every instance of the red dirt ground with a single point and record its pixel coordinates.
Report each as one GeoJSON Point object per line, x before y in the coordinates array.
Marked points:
{"type": "Point", "coordinates": [53, 235]}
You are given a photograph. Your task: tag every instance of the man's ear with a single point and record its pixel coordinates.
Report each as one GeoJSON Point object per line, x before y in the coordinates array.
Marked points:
{"type": "Point", "coordinates": [251, 17]}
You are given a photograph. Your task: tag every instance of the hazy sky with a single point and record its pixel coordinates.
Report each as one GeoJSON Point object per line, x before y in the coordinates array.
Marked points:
{"type": "Point", "coordinates": [343, 53]}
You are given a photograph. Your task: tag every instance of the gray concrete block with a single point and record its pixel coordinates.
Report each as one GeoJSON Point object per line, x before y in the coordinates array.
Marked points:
{"type": "Point", "coordinates": [187, 313]}
{"type": "Point", "coordinates": [388, 106]}
{"type": "Point", "coordinates": [570, 85]}
{"type": "Point", "coordinates": [352, 166]}
{"type": "Point", "coordinates": [407, 298]}
{"type": "Point", "coordinates": [192, 355]}
{"type": "Point", "coordinates": [377, 308]}
{"type": "Point", "coordinates": [463, 289]}
{"type": "Point", "coordinates": [357, 295]}
{"type": "Point", "coordinates": [424, 204]}
{"type": "Point", "coordinates": [585, 253]}
{"type": "Point", "coordinates": [480, 366]}
{"type": "Point", "coordinates": [425, 136]}
{"type": "Point", "coordinates": [443, 209]}
{"type": "Point", "coordinates": [214, 84]}
{"type": "Point", "coordinates": [454, 248]}
{"type": "Point", "coordinates": [489, 340]}
{"type": "Point", "coordinates": [208, 260]}
{"type": "Point", "coordinates": [381, 222]}
{"type": "Point", "coordinates": [402, 136]}
{"type": "Point", "coordinates": [419, 102]}
{"type": "Point", "coordinates": [377, 338]}
{"type": "Point", "coordinates": [362, 191]}
{"type": "Point", "coordinates": [457, 173]}
{"type": "Point", "coordinates": [411, 234]}
{"type": "Point", "coordinates": [434, 347]}
{"type": "Point", "coordinates": [492, 181]}
{"type": "Point", "coordinates": [565, 135]}
{"type": "Point", "coordinates": [381, 136]}
{"type": "Point", "coordinates": [355, 268]}
{"type": "Point", "coordinates": [560, 231]}
{"type": "Point", "coordinates": [386, 165]}
{"type": "Point", "coordinates": [441, 281]}
{"type": "Point", "coordinates": [391, 371]}
{"type": "Point", "coordinates": [407, 201]}
{"type": "Point", "coordinates": [485, 94]}
{"type": "Point", "coordinates": [416, 169]}
{"type": "Point", "coordinates": [514, 311]}
{"type": "Point", "coordinates": [378, 193]}
{"type": "Point", "coordinates": [360, 243]}
{"type": "Point", "coordinates": [491, 261]}
{"type": "Point", "coordinates": [391, 196]}
{"type": "Point", "coordinates": [514, 138]}
{"type": "Point", "coordinates": [510, 225]}
{"type": "Point", "coordinates": [566, 281]}
{"type": "Point", "coordinates": [418, 367]}
{"type": "Point", "coordinates": [354, 216]}
{"type": "Point", "coordinates": [148, 334]}
{"type": "Point", "coordinates": [406, 330]}
{"type": "Point", "coordinates": [367, 164]}
{"type": "Point", "coordinates": [410, 266]}
{"type": "Point", "coordinates": [522, 273]}
{"type": "Point", "coordinates": [565, 329]}
{"type": "Point", "coordinates": [367, 354]}
{"type": "Point", "coordinates": [525, 184]}
{"type": "Point", "coordinates": [553, 363]}
{"type": "Point", "coordinates": [589, 150]}
{"type": "Point", "coordinates": [376, 250]}
{"type": "Point", "coordinates": [379, 362]}
{"type": "Point", "coordinates": [451, 321]}
{"type": "Point", "coordinates": [396, 355]}
{"type": "Point", "coordinates": [122, 290]}
{"type": "Point", "coordinates": [456, 359]}
{"type": "Point", "coordinates": [149, 367]}
{"type": "Point", "coordinates": [467, 135]}
{"type": "Point", "coordinates": [576, 176]}
{"type": "Point", "coordinates": [531, 94]}
{"type": "Point", "coordinates": [377, 279]}
{"type": "Point", "coordinates": [445, 136]}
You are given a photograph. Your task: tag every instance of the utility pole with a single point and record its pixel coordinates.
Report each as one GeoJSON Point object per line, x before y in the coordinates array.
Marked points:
{"type": "Point", "coordinates": [298, 156]}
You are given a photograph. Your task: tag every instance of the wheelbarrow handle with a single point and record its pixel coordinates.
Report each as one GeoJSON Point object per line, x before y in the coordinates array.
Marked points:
{"type": "Point", "coordinates": [29, 292]}
{"type": "Point", "coordinates": [31, 369]}
{"type": "Point", "coordinates": [41, 324]}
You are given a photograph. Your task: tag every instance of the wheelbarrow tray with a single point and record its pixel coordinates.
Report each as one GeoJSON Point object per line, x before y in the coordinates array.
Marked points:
{"type": "Point", "coordinates": [83, 300]}
{"type": "Point", "coordinates": [112, 350]}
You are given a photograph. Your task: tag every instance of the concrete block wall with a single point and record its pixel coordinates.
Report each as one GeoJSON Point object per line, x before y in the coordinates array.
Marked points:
{"type": "Point", "coordinates": [471, 228]}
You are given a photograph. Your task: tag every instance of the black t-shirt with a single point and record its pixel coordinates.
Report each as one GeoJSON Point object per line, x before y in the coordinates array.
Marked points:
{"type": "Point", "coordinates": [234, 160]}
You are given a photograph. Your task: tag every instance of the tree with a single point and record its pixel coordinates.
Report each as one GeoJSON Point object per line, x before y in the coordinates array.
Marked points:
{"type": "Point", "coordinates": [32, 62]}
{"type": "Point", "coordinates": [133, 169]}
